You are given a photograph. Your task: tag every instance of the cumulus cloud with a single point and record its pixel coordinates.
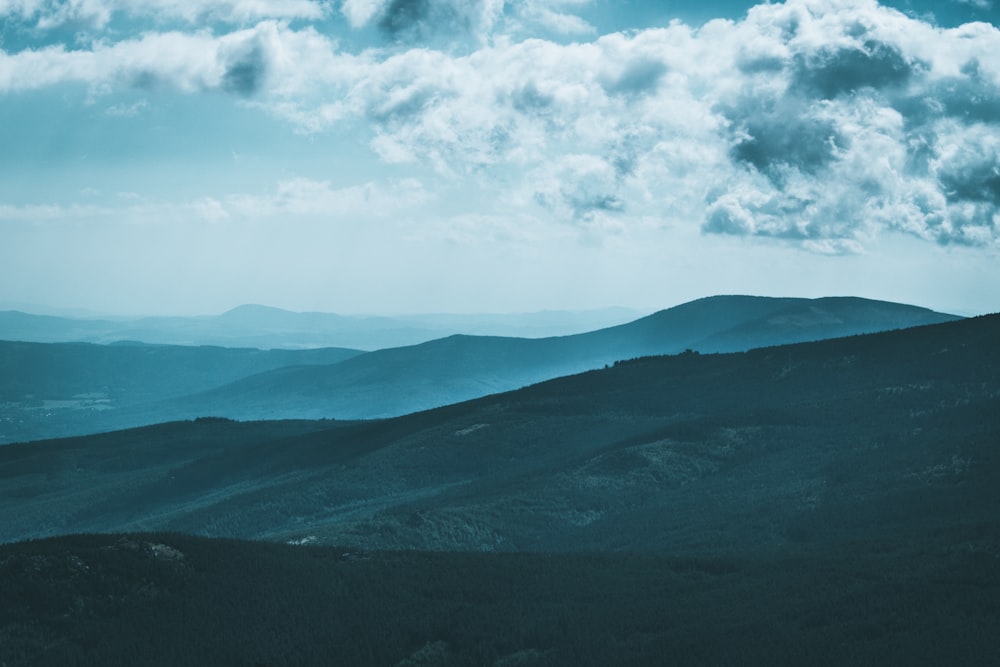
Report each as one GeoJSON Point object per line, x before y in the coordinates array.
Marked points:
{"type": "Point", "coordinates": [867, 132]}
{"type": "Point", "coordinates": [361, 12]}
{"type": "Point", "coordinates": [820, 123]}
{"type": "Point", "coordinates": [427, 21]}
{"type": "Point", "coordinates": [238, 62]}
{"type": "Point", "coordinates": [49, 14]}
{"type": "Point", "coordinates": [452, 21]}
{"type": "Point", "coordinates": [553, 16]}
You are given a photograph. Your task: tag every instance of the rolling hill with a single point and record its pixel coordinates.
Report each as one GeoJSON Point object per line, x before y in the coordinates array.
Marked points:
{"type": "Point", "coordinates": [78, 389]}
{"type": "Point", "coordinates": [806, 443]}
{"type": "Point", "coordinates": [823, 503]}
{"type": "Point", "coordinates": [50, 389]}
{"type": "Point", "coordinates": [396, 381]}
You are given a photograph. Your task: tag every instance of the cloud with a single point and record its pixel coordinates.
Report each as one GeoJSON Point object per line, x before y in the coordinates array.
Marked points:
{"type": "Point", "coordinates": [294, 198]}
{"type": "Point", "coordinates": [815, 123]}
{"type": "Point", "coordinates": [829, 72]}
{"type": "Point", "coordinates": [450, 22]}
{"type": "Point", "coordinates": [638, 77]}
{"type": "Point", "coordinates": [785, 135]}
{"type": "Point", "coordinates": [361, 12]}
{"type": "Point", "coordinates": [431, 21]}
{"type": "Point", "coordinates": [550, 17]}
{"type": "Point", "coordinates": [237, 62]}
{"type": "Point", "coordinates": [246, 69]}
{"type": "Point", "coordinates": [51, 14]}
{"type": "Point", "coordinates": [126, 110]}
{"type": "Point", "coordinates": [583, 187]}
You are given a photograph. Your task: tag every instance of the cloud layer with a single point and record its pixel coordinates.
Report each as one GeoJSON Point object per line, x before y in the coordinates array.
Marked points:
{"type": "Point", "coordinates": [815, 123]}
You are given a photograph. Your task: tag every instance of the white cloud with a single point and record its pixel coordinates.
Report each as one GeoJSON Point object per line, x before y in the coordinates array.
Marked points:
{"type": "Point", "coordinates": [126, 110]}
{"type": "Point", "coordinates": [49, 14]}
{"type": "Point", "coordinates": [292, 199]}
{"type": "Point", "coordinates": [561, 23]}
{"type": "Point", "coordinates": [361, 12]}
{"type": "Point", "coordinates": [270, 55]}
{"type": "Point", "coordinates": [820, 123]}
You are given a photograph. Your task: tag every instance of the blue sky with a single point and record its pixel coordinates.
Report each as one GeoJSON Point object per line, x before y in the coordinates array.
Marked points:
{"type": "Point", "coordinates": [392, 156]}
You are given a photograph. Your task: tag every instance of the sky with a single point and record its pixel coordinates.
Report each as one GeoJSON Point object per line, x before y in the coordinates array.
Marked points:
{"type": "Point", "coordinates": [405, 156]}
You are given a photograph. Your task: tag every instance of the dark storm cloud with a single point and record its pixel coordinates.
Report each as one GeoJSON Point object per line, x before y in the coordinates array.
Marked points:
{"type": "Point", "coordinates": [832, 72]}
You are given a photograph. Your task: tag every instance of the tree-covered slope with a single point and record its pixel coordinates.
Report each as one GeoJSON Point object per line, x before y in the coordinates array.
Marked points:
{"type": "Point", "coordinates": [168, 599]}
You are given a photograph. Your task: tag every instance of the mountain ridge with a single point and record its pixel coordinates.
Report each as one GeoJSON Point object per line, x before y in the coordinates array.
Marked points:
{"type": "Point", "coordinates": [395, 381]}
{"type": "Point", "coordinates": [66, 395]}
{"type": "Point", "coordinates": [806, 443]}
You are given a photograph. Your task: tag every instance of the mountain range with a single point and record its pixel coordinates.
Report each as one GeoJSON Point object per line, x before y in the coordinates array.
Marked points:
{"type": "Point", "coordinates": [58, 389]}
{"type": "Point", "coordinates": [828, 502]}
{"type": "Point", "coordinates": [266, 327]}
{"type": "Point", "coordinates": [810, 442]}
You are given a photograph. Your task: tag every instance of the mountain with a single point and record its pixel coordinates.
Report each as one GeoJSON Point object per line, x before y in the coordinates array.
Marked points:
{"type": "Point", "coordinates": [824, 503]}
{"type": "Point", "coordinates": [396, 381]}
{"type": "Point", "coordinates": [814, 443]}
{"type": "Point", "coordinates": [265, 327]}
{"type": "Point", "coordinates": [77, 389]}
{"type": "Point", "coordinates": [49, 389]}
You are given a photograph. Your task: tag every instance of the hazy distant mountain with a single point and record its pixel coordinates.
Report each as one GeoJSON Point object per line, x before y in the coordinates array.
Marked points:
{"type": "Point", "coordinates": [808, 444]}
{"type": "Point", "coordinates": [396, 381]}
{"type": "Point", "coordinates": [52, 389]}
{"type": "Point", "coordinates": [70, 389]}
{"type": "Point", "coordinates": [265, 327]}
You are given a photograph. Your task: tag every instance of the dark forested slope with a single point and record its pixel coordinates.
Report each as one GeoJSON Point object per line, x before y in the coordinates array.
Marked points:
{"type": "Point", "coordinates": [168, 599]}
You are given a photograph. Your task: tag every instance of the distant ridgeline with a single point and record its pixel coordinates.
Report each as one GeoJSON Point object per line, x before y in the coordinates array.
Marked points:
{"type": "Point", "coordinates": [64, 389]}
